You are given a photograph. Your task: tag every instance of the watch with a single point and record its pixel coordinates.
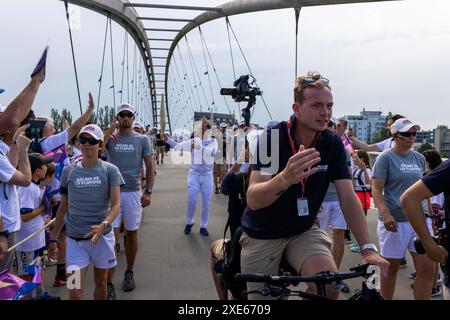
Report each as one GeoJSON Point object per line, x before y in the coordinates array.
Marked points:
{"type": "Point", "coordinates": [4, 233]}
{"type": "Point", "coordinates": [369, 246]}
{"type": "Point", "coordinates": [106, 224]}
{"type": "Point", "coordinates": [148, 190]}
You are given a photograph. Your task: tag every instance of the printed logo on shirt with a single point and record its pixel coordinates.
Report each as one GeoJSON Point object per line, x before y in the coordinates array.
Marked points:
{"type": "Point", "coordinates": [124, 147]}
{"type": "Point", "coordinates": [322, 168]}
{"type": "Point", "coordinates": [88, 182]}
{"type": "Point", "coordinates": [410, 168]}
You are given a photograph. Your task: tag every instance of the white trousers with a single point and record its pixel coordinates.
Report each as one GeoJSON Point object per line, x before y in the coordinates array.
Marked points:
{"type": "Point", "coordinates": [204, 185]}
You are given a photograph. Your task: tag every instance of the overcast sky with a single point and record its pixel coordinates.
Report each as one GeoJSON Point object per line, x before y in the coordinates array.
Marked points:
{"type": "Point", "coordinates": [386, 56]}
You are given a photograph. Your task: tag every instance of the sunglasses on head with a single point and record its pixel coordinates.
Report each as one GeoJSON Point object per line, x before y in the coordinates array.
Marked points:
{"type": "Point", "coordinates": [91, 141]}
{"type": "Point", "coordinates": [312, 80]}
{"type": "Point", "coordinates": [408, 134]}
{"type": "Point", "coordinates": [126, 114]}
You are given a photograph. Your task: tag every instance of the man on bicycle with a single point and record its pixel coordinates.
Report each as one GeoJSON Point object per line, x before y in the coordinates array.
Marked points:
{"type": "Point", "coordinates": [287, 186]}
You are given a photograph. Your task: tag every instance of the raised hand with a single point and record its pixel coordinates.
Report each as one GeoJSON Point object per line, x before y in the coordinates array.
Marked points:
{"type": "Point", "coordinates": [300, 165]}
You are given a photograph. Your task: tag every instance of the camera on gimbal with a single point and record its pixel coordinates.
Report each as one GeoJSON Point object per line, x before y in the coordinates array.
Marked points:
{"type": "Point", "coordinates": [441, 239]}
{"type": "Point", "coordinates": [243, 91]}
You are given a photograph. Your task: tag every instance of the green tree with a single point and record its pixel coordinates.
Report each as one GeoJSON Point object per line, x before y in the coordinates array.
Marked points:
{"type": "Point", "coordinates": [60, 118]}
{"type": "Point", "coordinates": [424, 146]}
{"type": "Point", "coordinates": [444, 154]}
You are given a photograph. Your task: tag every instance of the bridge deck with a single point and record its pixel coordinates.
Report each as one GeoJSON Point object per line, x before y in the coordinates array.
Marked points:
{"type": "Point", "coordinates": [171, 265]}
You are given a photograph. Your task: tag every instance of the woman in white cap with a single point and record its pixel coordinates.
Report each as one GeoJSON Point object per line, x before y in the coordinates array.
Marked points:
{"type": "Point", "coordinates": [90, 192]}
{"type": "Point", "coordinates": [395, 170]}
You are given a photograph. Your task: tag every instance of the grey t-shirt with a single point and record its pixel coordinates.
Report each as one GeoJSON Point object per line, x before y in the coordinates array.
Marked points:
{"type": "Point", "coordinates": [399, 173]}
{"type": "Point", "coordinates": [128, 153]}
{"type": "Point", "coordinates": [331, 194]}
{"type": "Point", "coordinates": [88, 192]}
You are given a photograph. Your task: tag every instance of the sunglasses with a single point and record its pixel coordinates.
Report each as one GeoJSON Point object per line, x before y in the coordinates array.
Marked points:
{"type": "Point", "coordinates": [311, 80]}
{"type": "Point", "coordinates": [126, 114]}
{"type": "Point", "coordinates": [91, 141]}
{"type": "Point", "coordinates": [408, 134]}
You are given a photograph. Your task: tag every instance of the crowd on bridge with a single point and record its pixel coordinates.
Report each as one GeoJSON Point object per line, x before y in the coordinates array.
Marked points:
{"type": "Point", "coordinates": [298, 190]}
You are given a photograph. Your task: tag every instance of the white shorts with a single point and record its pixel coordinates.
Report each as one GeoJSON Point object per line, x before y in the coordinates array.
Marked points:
{"type": "Point", "coordinates": [331, 214]}
{"type": "Point", "coordinates": [393, 245]}
{"type": "Point", "coordinates": [130, 210]}
{"type": "Point", "coordinates": [83, 253]}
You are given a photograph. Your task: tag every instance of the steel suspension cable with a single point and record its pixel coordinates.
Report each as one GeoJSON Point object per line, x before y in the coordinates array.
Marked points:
{"type": "Point", "coordinates": [213, 104]}
{"type": "Point", "coordinates": [100, 80]}
{"type": "Point", "coordinates": [123, 62]}
{"type": "Point", "coordinates": [182, 86]}
{"type": "Point", "coordinates": [73, 54]}
{"type": "Point", "coordinates": [214, 69]}
{"type": "Point", "coordinates": [232, 62]}
{"type": "Point", "coordinates": [248, 66]}
{"type": "Point", "coordinates": [112, 61]}
{"type": "Point", "coordinates": [191, 56]}
{"type": "Point", "coordinates": [186, 76]}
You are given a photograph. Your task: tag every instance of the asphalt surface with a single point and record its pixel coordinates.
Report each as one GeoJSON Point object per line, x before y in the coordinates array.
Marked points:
{"type": "Point", "coordinates": [173, 266]}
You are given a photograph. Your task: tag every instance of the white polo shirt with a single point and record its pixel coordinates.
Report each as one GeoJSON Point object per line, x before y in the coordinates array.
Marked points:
{"type": "Point", "coordinates": [9, 201]}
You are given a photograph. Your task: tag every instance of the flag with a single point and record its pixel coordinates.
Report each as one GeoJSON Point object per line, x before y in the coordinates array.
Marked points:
{"type": "Point", "coordinates": [347, 144]}
{"type": "Point", "coordinates": [9, 285]}
{"type": "Point", "coordinates": [13, 287]}
{"type": "Point", "coordinates": [35, 270]}
{"type": "Point", "coordinates": [59, 155]}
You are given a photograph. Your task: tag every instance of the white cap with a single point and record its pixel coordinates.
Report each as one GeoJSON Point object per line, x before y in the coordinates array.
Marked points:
{"type": "Point", "coordinates": [137, 124]}
{"type": "Point", "coordinates": [241, 123]}
{"type": "Point", "coordinates": [403, 125]}
{"type": "Point", "coordinates": [235, 127]}
{"type": "Point", "coordinates": [333, 119]}
{"type": "Point", "coordinates": [124, 107]}
{"type": "Point", "coordinates": [93, 130]}
{"type": "Point", "coordinates": [223, 125]}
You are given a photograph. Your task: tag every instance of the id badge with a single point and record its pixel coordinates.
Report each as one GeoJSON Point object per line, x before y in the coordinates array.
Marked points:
{"type": "Point", "coordinates": [302, 207]}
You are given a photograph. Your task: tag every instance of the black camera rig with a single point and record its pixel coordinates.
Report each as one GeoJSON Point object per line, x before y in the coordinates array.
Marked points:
{"type": "Point", "coordinates": [243, 91]}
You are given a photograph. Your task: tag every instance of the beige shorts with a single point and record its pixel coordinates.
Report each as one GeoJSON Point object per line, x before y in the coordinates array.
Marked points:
{"type": "Point", "coordinates": [220, 168]}
{"type": "Point", "coordinates": [161, 149]}
{"type": "Point", "coordinates": [264, 255]}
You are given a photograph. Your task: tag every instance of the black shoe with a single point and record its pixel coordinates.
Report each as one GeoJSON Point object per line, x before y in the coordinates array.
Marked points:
{"type": "Point", "coordinates": [128, 282]}
{"type": "Point", "coordinates": [204, 232]}
{"type": "Point", "coordinates": [111, 291]}
{"type": "Point", "coordinates": [348, 235]}
{"type": "Point", "coordinates": [188, 229]}
{"type": "Point", "coordinates": [217, 191]}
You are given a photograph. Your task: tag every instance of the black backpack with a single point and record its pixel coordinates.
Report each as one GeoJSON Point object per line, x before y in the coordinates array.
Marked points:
{"type": "Point", "coordinates": [231, 265]}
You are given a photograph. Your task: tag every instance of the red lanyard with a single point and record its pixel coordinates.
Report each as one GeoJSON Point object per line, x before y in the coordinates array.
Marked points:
{"type": "Point", "coordinates": [294, 151]}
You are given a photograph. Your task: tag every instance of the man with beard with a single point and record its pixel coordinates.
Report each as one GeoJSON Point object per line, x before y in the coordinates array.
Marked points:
{"type": "Point", "coordinates": [127, 150]}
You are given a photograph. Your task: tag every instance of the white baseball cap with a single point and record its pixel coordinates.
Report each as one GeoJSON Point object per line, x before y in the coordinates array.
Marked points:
{"type": "Point", "coordinates": [403, 125]}
{"type": "Point", "coordinates": [137, 124]}
{"type": "Point", "coordinates": [223, 125]}
{"type": "Point", "coordinates": [124, 107]}
{"type": "Point", "coordinates": [93, 130]}
{"type": "Point", "coordinates": [241, 123]}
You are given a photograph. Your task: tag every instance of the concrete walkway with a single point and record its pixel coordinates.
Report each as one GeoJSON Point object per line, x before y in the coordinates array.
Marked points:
{"type": "Point", "coordinates": [171, 265]}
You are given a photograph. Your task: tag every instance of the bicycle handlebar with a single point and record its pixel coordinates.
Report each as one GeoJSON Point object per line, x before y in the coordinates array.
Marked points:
{"type": "Point", "coordinates": [323, 277]}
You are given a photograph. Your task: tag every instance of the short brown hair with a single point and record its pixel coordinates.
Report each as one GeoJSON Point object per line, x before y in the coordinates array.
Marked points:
{"type": "Point", "coordinates": [301, 85]}
{"type": "Point", "coordinates": [50, 169]}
